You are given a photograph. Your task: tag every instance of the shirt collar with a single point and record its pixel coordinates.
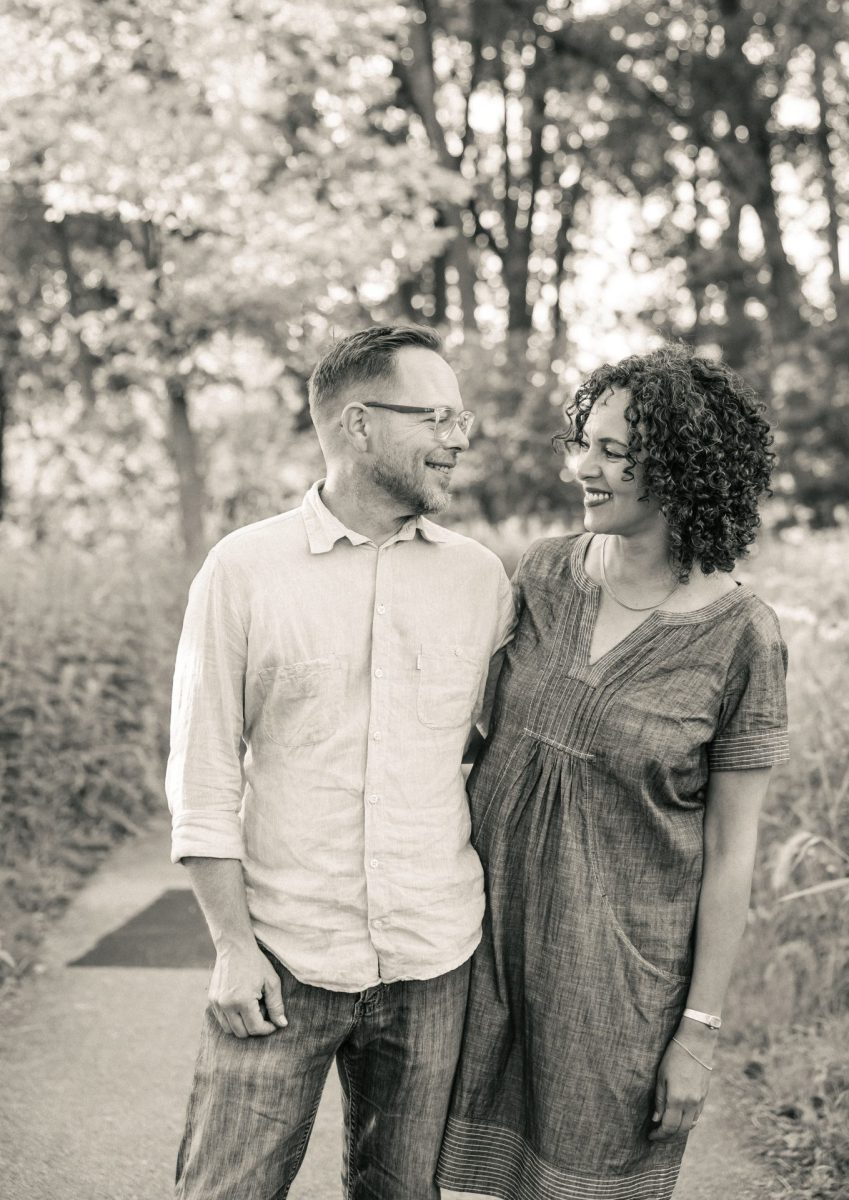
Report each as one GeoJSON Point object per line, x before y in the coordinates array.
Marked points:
{"type": "Point", "coordinates": [324, 530]}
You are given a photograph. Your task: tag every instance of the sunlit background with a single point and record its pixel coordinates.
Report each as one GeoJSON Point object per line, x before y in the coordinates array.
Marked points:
{"type": "Point", "coordinates": [197, 196]}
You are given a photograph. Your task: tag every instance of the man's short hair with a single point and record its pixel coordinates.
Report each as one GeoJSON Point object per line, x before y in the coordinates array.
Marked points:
{"type": "Point", "coordinates": [362, 358]}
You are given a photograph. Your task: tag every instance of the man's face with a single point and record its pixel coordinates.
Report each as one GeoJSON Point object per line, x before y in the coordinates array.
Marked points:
{"type": "Point", "coordinates": [410, 463]}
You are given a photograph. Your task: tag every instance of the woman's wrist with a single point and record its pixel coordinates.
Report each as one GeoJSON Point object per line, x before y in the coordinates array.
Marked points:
{"type": "Point", "coordinates": [700, 1038]}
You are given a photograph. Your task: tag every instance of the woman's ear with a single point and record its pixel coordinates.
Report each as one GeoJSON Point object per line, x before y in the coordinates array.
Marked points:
{"type": "Point", "coordinates": [355, 423]}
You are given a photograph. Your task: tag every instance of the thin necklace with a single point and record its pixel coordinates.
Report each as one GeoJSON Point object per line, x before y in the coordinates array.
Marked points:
{"type": "Point", "coordinates": [631, 607]}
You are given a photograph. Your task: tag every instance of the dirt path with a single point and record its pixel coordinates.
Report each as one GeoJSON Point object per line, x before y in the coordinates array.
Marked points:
{"type": "Point", "coordinates": [96, 1061]}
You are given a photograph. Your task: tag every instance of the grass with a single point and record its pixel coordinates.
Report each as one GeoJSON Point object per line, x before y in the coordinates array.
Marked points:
{"type": "Point", "coordinates": [85, 650]}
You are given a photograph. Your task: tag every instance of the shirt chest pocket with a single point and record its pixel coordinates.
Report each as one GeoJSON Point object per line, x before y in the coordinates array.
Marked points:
{"type": "Point", "coordinates": [301, 702]}
{"type": "Point", "coordinates": [449, 679]}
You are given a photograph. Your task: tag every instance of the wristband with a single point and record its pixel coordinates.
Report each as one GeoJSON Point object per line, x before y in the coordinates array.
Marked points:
{"type": "Point", "coordinates": [703, 1018]}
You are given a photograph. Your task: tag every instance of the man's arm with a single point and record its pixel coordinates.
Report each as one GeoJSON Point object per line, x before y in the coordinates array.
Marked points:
{"type": "Point", "coordinates": [480, 726]}
{"type": "Point", "coordinates": [204, 786]}
{"type": "Point", "coordinates": [242, 976]}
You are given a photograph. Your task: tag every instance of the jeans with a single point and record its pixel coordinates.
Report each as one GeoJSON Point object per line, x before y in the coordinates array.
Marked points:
{"type": "Point", "coordinates": [254, 1100]}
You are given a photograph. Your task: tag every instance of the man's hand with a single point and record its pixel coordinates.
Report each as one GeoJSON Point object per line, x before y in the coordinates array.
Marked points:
{"type": "Point", "coordinates": [242, 978]}
{"type": "Point", "coordinates": [682, 1087]}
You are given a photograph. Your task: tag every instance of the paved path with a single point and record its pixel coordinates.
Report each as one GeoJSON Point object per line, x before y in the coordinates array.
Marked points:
{"type": "Point", "coordinates": [95, 1064]}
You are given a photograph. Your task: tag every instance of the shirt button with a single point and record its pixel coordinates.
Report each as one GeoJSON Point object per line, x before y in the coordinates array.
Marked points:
{"type": "Point", "coordinates": [378, 671]}
{"type": "Point", "coordinates": [381, 608]}
{"type": "Point", "coordinates": [374, 799]}
{"type": "Point", "coordinates": [375, 863]}
{"type": "Point", "coordinates": [378, 922]}
{"type": "Point", "coordinates": [457, 651]}
{"type": "Point", "coordinates": [376, 735]}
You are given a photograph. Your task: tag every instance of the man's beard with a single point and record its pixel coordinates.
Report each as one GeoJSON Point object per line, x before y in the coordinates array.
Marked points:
{"type": "Point", "coordinates": [409, 489]}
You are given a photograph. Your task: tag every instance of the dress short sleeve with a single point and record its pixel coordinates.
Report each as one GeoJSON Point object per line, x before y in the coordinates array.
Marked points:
{"type": "Point", "coordinates": [752, 730]}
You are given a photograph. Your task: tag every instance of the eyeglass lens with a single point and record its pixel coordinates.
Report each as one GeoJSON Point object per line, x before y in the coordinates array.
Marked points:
{"type": "Point", "coordinates": [446, 420]}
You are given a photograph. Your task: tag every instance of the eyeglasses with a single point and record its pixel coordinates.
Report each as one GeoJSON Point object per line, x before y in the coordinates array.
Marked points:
{"type": "Point", "coordinates": [445, 419]}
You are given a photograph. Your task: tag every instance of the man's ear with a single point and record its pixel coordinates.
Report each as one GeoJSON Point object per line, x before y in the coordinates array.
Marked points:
{"type": "Point", "coordinates": [355, 423]}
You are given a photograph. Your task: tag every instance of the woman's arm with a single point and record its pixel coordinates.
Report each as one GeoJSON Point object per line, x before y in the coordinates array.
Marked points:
{"type": "Point", "coordinates": [733, 806]}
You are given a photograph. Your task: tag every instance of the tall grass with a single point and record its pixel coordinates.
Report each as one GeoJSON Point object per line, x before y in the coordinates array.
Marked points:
{"type": "Point", "coordinates": [796, 958]}
{"type": "Point", "coordinates": [85, 649]}
{"type": "Point", "coordinates": [790, 996]}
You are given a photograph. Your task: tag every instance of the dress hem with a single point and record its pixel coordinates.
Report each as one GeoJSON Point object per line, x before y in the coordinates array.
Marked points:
{"type": "Point", "coordinates": [499, 1162]}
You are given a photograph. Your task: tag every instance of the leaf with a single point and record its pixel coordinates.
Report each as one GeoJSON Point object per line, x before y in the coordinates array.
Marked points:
{"type": "Point", "coordinates": [790, 853]}
{"type": "Point", "coordinates": [828, 885]}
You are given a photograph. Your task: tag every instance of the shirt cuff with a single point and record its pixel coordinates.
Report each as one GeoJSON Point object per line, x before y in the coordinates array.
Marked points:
{"type": "Point", "coordinates": [203, 834]}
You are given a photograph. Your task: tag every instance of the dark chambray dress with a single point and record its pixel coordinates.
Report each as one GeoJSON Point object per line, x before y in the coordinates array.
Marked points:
{"type": "Point", "coordinates": [587, 809]}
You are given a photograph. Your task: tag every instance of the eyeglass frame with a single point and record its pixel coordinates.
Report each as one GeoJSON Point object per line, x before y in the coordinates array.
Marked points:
{"type": "Point", "coordinates": [408, 408]}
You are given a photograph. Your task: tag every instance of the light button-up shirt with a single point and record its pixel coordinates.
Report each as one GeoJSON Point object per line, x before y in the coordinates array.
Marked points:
{"type": "Point", "coordinates": [323, 693]}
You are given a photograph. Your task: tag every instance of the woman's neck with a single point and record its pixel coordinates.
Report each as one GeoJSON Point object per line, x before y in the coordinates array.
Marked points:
{"type": "Point", "coordinates": [638, 558]}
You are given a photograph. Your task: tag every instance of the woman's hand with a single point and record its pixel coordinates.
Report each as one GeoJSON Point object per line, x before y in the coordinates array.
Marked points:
{"type": "Point", "coordinates": [682, 1083]}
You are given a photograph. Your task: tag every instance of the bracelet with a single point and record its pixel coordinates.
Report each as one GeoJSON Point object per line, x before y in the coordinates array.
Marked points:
{"type": "Point", "coordinates": [708, 1019]}
{"type": "Point", "coordinates": [687, 1050]}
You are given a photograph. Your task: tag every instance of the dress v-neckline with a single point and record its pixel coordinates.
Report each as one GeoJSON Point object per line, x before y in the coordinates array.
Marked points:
{"type": "Point", "coordinates": [658, 616]}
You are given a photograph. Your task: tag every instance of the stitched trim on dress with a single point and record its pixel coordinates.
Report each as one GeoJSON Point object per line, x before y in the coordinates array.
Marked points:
{"type": "Point", "coordinates": [749, 751]}
{"type": "Point", "coordinates": [497, 1160]}
{"type": "Point", "coordinates": [541, 737]}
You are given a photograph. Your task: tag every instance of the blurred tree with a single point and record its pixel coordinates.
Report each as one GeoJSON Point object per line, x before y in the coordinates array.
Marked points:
{"type": "Point", "coordinates": [722, 126]}
{"type": "Point", "coordinates": [191, 168]}
{"type": "Point", "coordinates": [198, 194]}
{"type": "Point", "coordinates": [745, 168]}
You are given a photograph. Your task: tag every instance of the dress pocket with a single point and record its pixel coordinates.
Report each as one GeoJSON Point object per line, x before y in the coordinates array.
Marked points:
{"type": "Point", "coordinates": [301, 702]}
{"type": "Point", "coordinates": [599, 868]}
{"type": "Point", "coordinates": [449, 679]}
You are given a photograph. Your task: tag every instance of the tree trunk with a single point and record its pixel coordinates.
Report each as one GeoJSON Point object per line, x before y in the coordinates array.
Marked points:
{"type": "Point", "coordinates": [181, 441]}
{"type": "Point", "coordinates": [420, 82]}
{"type": "Point", "coordinates": [739, 333]}
{"type": "Point", "coordinates": [85, 359]}
{"type": "Point", "coordinates": [4, 407]}
{"type": "Point", "coordinates": [838, 287]}
{"type": "Point", "coordinates": [440, 295]}
{"type": "Point", "coordinates": [9, 348]}
{"type": "Point", "coordinates": [183, 448]}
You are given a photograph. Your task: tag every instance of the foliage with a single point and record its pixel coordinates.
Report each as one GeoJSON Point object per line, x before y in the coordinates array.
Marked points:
{"type": "Point", "coordinates": [86, 645]}
{"type": "Point", "coordinates": [801, 1081]}
{"type": "Point", "coordinates": [196, 195]}
{"type": "Point", "coordinates": [181, 175]}
{"type": "Point", "coordinates": [796, 954]}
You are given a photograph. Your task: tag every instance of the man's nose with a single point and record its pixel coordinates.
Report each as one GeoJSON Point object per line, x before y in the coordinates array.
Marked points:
{"type": "Point", "coordinates": [457, 440]}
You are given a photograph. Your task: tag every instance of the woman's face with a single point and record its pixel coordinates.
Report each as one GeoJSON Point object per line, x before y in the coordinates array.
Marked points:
{"type": "Point", "coordinates": [611, 498]}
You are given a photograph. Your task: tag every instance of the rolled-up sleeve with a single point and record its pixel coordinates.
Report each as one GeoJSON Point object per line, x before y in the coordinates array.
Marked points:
{"type": "Point", "coordinates": [204, 776]}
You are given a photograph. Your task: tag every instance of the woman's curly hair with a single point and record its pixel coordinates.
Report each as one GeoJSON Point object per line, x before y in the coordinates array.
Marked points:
{"type": "Point", "coordinates": [697, 431]}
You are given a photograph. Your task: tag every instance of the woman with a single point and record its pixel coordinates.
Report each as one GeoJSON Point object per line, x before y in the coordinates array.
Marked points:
{"type": "Point", "coordinates": [615, 806]}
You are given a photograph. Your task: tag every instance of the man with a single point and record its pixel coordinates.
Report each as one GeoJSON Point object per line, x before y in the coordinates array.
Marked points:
{"type": "Point", "coordinates": [331, 664]}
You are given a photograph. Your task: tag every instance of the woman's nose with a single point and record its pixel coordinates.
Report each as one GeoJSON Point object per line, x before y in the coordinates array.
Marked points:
{"type": "Point", "coordinates": [587, 466]}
